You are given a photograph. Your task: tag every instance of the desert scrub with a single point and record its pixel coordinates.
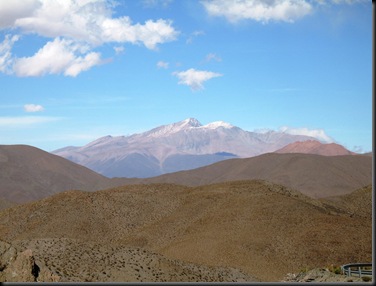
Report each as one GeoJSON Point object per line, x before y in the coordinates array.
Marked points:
{"type": "Point", "coordinates": [304, 269]}
{"type": "Point", "coordinates": [367, 278]}
{"type": "Point", "coordinates": [335, 269]}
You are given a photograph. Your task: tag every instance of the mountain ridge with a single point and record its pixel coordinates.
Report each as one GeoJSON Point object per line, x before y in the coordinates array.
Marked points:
{"type": "Point", "coordinates": [314, 175]}
{"type": "Point", "coordinates": [170, 148]}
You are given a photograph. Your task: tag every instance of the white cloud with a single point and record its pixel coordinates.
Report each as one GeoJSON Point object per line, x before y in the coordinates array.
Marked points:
{"type": "Point", "coordinates": [58, 56]}
{"type": "Point", "coordinates": [91, 21]}
{"type": "Point", "coordinates": [316, 133]}
{"type": "Point", "coordinates": [212, 57]}
{"type": "Point", "coordinates": [156, 3]}
{"type": "Point", "coordinates": [150, 34]}
{"type": "Point", "coordinates": [75, 29]}
{"type": "Point", "coordinates": [162, 64]}
{"type": "Point", "coordinates": [194, 35]}
{"type": "Point", "coordinates": [119, 49]}
{"type": "Point", "coordinates": [258, 10]}
{"type": "Point", "coordinates": [33, 107]}
{"type": "Point", "coordinates": [25, 121]}
{"type": "Point", "coordinates": [349, 1]}
{"type": "Point", "coordinates": [12, 10]}
{"type": "Point", "coordinates": [6, 59]}
{"type": "Point", "coordinates": [195, 78]}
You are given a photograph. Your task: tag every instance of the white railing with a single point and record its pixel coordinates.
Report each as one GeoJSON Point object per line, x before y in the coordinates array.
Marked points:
{"type": "Point", "coordinates": [359, 269]}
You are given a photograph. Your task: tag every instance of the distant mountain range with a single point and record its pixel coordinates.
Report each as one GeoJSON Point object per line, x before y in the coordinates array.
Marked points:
{"type": "Point", "coordinates": [179, 146]}
{"type": "Point", "coordinates": [28, 174]}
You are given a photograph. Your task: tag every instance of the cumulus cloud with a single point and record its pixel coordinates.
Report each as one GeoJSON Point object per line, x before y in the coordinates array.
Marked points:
{"type": "Point", "coordinates": [86, 24]}
{"type": "Point", "coordinates": [10, 11]}
{"type": "Point", "coordinates": [316, 133]}
{"type": "Point", "coordinates": [33, 108]}
{"type": "Point", "coordinates": [195, 78]}
{"type": "Point", "coordinates": [162, 65]}
{"type": "Point", "coordinates": [58, 56]}
{"type": "Point", "coordinates": [258, 10]}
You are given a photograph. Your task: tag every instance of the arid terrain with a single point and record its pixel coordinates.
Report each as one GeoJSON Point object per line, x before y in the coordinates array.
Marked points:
{"type": "Point", "coordinates": [313, 175]}
{"type": "Point", "coordinates": [235, 231]}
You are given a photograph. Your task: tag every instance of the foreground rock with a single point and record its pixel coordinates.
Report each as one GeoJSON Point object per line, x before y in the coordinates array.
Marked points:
{"type": "Point", "coordinates": [67, 260]}
{"type": "Point", "coordinates": [21, 266]}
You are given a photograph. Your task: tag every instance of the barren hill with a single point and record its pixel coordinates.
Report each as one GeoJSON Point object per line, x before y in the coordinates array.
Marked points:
{"type": "Point", "coordinates": [28, 173]}
{"type": "Point", "coordinates": [314, 175]}
{"type": "Point", "coordinates": [260, 229]}
{"type": "Point", "coordinates": [315, 147]}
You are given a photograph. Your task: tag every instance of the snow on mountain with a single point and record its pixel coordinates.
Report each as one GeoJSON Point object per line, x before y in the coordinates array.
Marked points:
{"type": "Point", "coordinates": [169, 148]}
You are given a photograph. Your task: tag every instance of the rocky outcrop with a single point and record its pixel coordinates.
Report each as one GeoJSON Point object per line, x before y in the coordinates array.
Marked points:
{"type": "Point", "coordinates": [21, 267]}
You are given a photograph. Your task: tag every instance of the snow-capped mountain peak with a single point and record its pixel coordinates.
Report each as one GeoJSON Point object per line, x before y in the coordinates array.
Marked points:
{"type": "Point", "coordinates": [217, 124]}
{"type": "Point", "coordinates": [174, 128]}
{"type": "Point", "coordinates": [191, 122]}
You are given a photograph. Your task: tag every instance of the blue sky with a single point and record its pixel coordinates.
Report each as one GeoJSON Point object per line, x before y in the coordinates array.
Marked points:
{"type": "Point", "coordinates": [74, 71]}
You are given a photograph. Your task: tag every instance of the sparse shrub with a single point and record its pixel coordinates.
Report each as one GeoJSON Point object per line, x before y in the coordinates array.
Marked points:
{"type": "Point", "coordinates": [366, 278]}
{"type": "Point", "coordinates": [335, 269]}
{"type": "Point", "coordinates": [304, 270]}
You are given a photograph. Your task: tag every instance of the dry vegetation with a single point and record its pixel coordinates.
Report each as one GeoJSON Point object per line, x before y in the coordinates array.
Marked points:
{"type": "Point", "coordinates": [235, 231]}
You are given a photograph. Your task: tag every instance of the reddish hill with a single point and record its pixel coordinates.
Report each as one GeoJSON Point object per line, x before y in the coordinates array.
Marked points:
{"type": "Point", "coordinates": [315, 147]}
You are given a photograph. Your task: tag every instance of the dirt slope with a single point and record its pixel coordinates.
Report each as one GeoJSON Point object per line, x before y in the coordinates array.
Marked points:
{"type": "Point", "coordinates": [28, 173]}
{"type": "Point", "coordinates": [313, 175]}
{"type": "Point", "coordinates": [261, 229]}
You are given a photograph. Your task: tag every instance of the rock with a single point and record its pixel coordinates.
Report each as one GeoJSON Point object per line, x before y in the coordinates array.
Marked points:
{"type": "Point", "coordinates": [45, 275]}
{"type": "Point", "coordinates": [7, 254]}
{"type": "Point", "coordinates": [21, 267]}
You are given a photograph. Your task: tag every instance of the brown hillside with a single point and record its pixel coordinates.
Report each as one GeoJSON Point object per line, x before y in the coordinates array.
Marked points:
{"type": "Point", "coordinates": [358, 203]}
{"type": "Point", "coordinates": [28, 173]}
{"type": "Point", "coordinates": [262, 229]}
{"type": "Point", "coordinates": [315, 147]}
{"type": "Point", "coordinates": [313, 175]}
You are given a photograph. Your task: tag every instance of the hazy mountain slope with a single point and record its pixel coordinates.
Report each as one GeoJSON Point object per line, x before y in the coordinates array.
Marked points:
{"type": "Point", "coordinates": [313, 175]}
{"type": "Point", "coordinates": [28, 173]}
{"type": "Point", "coordinates": [265, 230]}
{"type": "Point", "coordinates": [5, 204]}
{"type": "Point", "coordinates": [169, 148]}
{"type": "Point", "coordinates": [315, 147]}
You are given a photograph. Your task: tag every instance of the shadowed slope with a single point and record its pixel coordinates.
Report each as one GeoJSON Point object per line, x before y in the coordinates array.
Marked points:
{"type": "Point", "coordinates": [28, 173]}
{"type": "Point", "coordinates": [263, 229]}
{"type": "Point", "coordinates": [314, 175]}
